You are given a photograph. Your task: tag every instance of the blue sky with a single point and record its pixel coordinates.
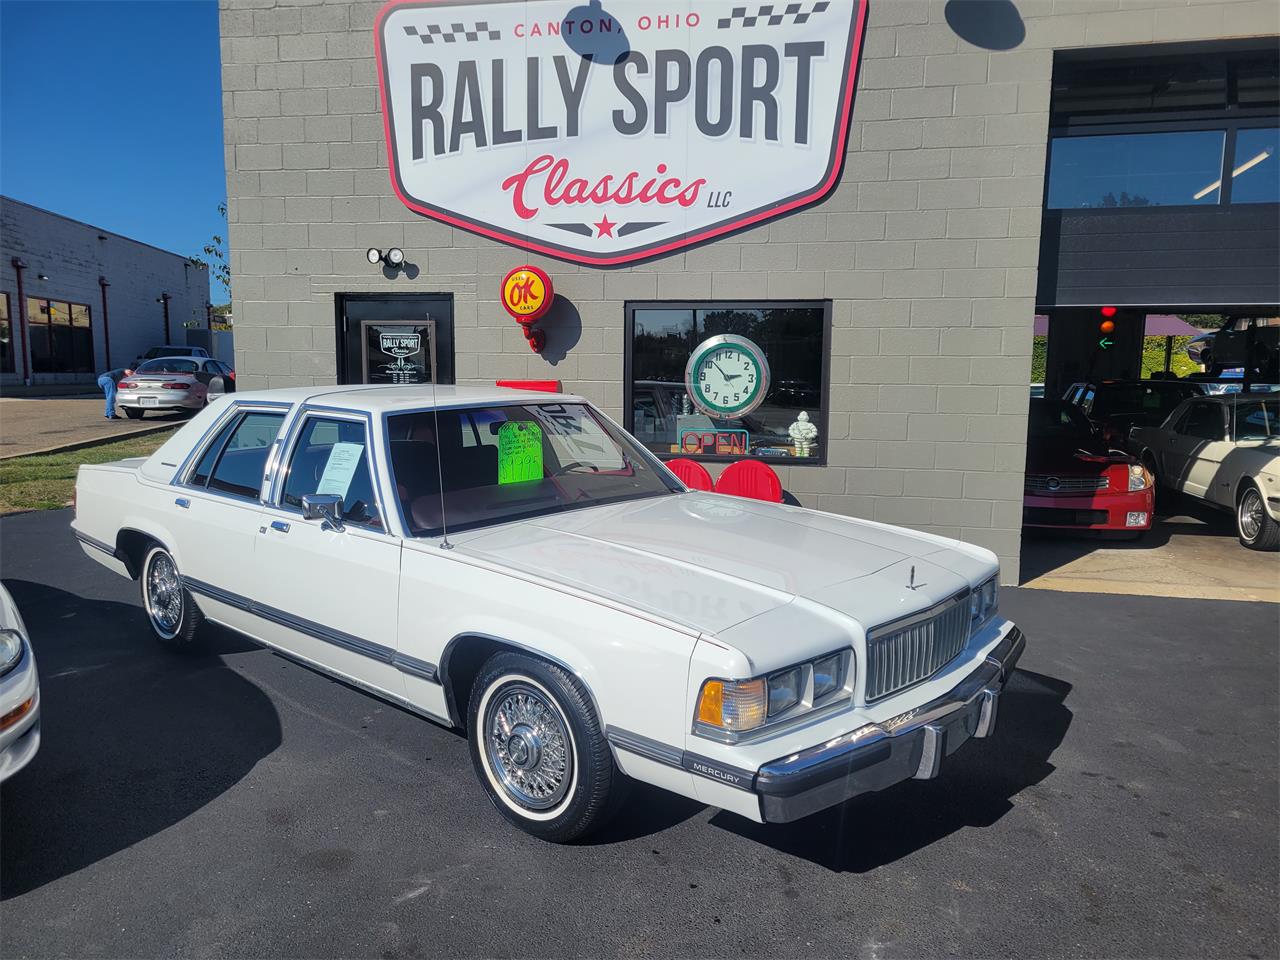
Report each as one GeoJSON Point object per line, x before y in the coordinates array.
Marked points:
{"type": "Point", "coordinates": [111, 113]}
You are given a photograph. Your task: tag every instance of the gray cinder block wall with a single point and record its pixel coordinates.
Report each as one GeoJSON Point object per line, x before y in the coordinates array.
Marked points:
{"type": "Point", "coordinates": [74, 255]}
{"type": "Point", "coordinates": [928, 247]}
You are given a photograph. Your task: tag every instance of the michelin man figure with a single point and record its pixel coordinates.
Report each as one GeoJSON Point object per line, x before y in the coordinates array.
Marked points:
{"type": "Point", "coordinates": [803, 433]}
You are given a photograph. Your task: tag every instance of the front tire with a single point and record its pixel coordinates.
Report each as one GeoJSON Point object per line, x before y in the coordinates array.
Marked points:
{"type": "Point", "coordinates": [172, 613]}
{"type": "Point", "coordinates": [1255, 528]}
{"type": "Point", "coordinates": [538, 748]}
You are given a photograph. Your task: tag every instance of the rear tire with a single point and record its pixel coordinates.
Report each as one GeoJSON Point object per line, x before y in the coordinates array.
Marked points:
{"type": "Point", "coordinates": [538, 748]}
{"type": "Point", "coordinates": [133, 413]}
{"type": "Point", "coordinates": [1254, 527]}
{"type": "Point", "coordinates": [171, 611]}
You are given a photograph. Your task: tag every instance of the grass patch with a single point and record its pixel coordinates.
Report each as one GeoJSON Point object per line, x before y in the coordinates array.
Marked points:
{"type": "Point", "coordinates": [45, 481]}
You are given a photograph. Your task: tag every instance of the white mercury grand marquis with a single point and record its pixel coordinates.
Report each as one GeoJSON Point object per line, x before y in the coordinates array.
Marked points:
{"type": "Point", "coordinates": [562, 597]}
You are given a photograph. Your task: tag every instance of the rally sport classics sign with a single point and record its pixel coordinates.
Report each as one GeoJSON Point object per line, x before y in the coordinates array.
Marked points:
{"type": "Point", "coordinates": [605, 133]}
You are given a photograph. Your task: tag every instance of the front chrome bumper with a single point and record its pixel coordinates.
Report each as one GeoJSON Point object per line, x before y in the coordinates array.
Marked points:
{"type": "Point", "coordinates": [911, 745]}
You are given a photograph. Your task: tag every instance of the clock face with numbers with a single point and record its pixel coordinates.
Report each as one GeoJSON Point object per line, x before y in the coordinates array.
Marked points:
{"type": "Point", "coordinates": [727, 376]}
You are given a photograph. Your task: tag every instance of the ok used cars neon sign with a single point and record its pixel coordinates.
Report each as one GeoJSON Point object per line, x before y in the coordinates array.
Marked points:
{"type": "Point", "coordinates": [609, 132]}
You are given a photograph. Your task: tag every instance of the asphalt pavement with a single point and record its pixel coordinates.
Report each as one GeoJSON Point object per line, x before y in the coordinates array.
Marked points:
{"type": "Point", "coordinates": [232, 803]}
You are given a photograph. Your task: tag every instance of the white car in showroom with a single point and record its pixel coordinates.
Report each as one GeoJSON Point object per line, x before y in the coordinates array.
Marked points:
{"type": "Point", "coordinates": [562, 597]}
{"type": "Point", "coordinates": [1224, 450]}
{"type": "Point", "coordinates": [19, 691]}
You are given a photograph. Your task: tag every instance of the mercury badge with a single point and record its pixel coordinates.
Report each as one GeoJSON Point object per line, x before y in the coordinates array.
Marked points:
{"type": "Point", "coordinates": [527, 295]}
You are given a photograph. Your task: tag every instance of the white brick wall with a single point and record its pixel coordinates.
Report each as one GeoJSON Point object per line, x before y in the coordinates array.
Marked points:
{"type": "Point", "coordinates": [74, 255]}
{"type": "Point", "coordinates": [928, 247]}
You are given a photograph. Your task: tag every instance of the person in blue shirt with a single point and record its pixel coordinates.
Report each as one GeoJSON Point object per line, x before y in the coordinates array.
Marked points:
{"type": "Point", "coordinates": [108, 383]}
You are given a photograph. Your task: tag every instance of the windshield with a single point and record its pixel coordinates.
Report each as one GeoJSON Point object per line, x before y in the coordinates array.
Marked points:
{"type": "Point", "coordinates": [1257, 419]}
{"type": "Point", "coordinates": [1151, 401]}
{"type": "Point", "coordinates": [509, 462]}
{"type": "Point", "coordinates": [168, 365]}
{"type": "Point", "coordinates": [1058, 421]}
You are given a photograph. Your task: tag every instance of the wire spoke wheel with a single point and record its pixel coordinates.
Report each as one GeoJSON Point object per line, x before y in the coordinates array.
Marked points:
{"type": "Point", "coordinates": [1250, 515]}
{"type": "Point", "coordinates": [164, 595]}
{"type": "Point", "coordinates": [527, 746]}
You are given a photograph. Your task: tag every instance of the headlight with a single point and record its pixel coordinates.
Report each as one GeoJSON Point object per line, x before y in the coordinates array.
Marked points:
{"type": "Point", "coordinates": [826, 676]}
{"type": "Point", "coordinates": [1139, 477]}
{"type": "Point", "coordinates": [10, 650]}
{"type": "Point", "coordinates": [984, 601]}
{"type": "Point", "coordinates": [784, 691]}
{"type": "Point", "coordinates": [727, 708]}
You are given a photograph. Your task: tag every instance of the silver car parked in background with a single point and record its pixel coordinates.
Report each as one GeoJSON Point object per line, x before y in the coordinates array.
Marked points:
{"type": "Point", "coordinates": [174, 383]}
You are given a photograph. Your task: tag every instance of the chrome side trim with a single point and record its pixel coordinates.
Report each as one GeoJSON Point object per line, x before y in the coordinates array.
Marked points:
{"type": "Point", "coordinates": [365, 648]}
{"type": "Point", "coordinates": [340, 677]}
{"type": "Point", "coordinates": [670, 756]}
{"type": "Point", "coordinates": [96, 544]}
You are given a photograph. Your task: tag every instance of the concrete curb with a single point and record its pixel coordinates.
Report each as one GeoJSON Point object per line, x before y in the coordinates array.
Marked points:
{"type": "Point", "coordinates": [95, 442]}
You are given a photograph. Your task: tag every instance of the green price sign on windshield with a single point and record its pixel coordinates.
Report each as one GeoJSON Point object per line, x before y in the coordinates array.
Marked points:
{"type": "Point", "coordinates": [519, 452]}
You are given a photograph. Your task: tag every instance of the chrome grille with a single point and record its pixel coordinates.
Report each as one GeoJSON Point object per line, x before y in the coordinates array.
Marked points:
{"type": "Point", "coordinates": [1047, 483]}
{"type": "Point", "coordinates": [917, 648]}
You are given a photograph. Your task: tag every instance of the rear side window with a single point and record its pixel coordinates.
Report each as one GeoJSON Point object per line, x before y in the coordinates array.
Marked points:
{"type": "Point", "coordinates": [234, 462]}
{"type": "Point", "coordinates": [1204, 422]}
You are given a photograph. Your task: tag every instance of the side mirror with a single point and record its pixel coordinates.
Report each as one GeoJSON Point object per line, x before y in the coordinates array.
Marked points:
{"type": "Point", "coordinates": [323, 506]}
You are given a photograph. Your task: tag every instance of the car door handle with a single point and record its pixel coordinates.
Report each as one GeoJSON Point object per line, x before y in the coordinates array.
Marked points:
{"type": "Point", "coordinates": [183, 502]}
{"type": "Point", "coordinates": [280, 525]}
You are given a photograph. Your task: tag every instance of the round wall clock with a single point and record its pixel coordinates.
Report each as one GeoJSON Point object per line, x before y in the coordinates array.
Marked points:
{"type": "Point", "coordinates": [727, 376]}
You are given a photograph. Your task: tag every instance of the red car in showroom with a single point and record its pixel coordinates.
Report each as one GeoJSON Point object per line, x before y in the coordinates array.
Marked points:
{"type": "Point", "coordinates": [1075, 481]}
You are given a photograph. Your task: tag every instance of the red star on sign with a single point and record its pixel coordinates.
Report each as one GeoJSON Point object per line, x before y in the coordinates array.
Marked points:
{"type": "Point", "coordinates": [605, 226]}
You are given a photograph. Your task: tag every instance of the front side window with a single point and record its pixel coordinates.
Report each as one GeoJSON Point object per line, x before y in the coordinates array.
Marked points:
{"type": "Point", "coordinates": [1136, 170]}
{"type": "Point", "coordinates": [1203, 422]}
{"type": "Point", "coordinates": [510, 462]}
{"type": "Point", "coordinates": [332, 456]}
{"type": "Point", "coordinates": [729, 381]}
{"type": "Point", "coordinates": [236, 459]}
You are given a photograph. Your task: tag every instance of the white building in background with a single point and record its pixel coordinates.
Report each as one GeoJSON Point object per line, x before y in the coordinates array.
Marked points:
{"type": "Point", "coordinates": [76, 299]}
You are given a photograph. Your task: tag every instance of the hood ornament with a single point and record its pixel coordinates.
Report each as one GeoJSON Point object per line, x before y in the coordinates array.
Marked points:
{"type": "Point", "coordinates": [911, 584]}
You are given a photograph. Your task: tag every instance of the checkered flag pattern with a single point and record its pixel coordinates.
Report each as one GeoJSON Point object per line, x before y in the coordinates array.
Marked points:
{"type": "Point", "coordinates": [774, 14]}
{"type": "Point", "coordinates": [455, 32]}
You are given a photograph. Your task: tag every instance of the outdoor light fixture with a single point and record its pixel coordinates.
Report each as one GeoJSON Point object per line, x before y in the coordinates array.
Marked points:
{"type": "Point", "coordinates": [394, 257]}
{"type": "Point", "coordinates": [42, 276]}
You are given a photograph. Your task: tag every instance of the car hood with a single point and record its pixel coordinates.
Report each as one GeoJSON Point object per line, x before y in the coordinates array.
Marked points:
{"type": "Point", "coordinates": [1047, 456]}
{"type": "Point", "coordinates": [711, 562]}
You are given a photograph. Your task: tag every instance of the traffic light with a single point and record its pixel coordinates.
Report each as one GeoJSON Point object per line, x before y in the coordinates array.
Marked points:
{"type": "Point", "coordinates": [1106, 327]}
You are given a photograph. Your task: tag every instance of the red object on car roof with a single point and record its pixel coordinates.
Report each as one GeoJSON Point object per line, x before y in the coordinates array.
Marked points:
{"type": "Point", "coordinates": [542, 386]}
{"type": "Point", "coordinates": [751, 479]}
{"type": "Point", "coordinates": [691, 473]}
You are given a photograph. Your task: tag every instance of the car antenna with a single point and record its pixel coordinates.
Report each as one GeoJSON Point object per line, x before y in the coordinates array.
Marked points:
{"type": "Point", "coordinates": [435, 412]}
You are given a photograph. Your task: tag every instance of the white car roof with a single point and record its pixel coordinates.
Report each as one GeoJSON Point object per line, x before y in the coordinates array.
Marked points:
{"type": "Point", "coordinates": [383, 399]}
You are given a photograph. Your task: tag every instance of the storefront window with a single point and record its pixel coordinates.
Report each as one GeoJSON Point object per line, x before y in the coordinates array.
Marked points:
{"type": "Point", "coordinates": [729, 380]}
{"type": "Point", "coordinates": [1255, 178]}
{"type": "Point", "coordinates": [6, 336]}
{"type": "Point", "coordinates": [61, 337]}
{"type": "Point", "coordinates": [1136, 170]}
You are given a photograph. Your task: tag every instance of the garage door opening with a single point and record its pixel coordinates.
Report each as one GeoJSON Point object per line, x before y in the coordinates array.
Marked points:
{"type": "Point", "coordinates": [1153, 453]}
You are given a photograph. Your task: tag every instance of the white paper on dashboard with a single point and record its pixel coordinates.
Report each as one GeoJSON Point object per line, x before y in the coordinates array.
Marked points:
{"type": "Point", "coordinates": [341, 467]}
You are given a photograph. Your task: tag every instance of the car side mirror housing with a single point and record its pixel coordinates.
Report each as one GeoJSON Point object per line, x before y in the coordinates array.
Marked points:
{"type": "Point", "coordinates": [323, 506]}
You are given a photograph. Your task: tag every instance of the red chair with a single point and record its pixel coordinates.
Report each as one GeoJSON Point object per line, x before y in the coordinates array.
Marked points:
{"type": "Point", "coordinates": [751, 479]}
{"type": "Point", "coordinates": [692, 474]}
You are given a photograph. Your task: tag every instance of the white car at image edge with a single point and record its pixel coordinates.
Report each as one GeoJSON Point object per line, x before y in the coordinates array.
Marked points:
{"type": "Point", "coordinates": [562, 597]}
{"type": "Point", "coordinates": [19, 691]}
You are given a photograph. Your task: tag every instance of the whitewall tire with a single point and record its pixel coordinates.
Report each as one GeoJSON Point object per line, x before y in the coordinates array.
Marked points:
{"type": "Point", "coordinates": [538, 748]}
{"type": "Point", "coordinates": [171, 612]}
